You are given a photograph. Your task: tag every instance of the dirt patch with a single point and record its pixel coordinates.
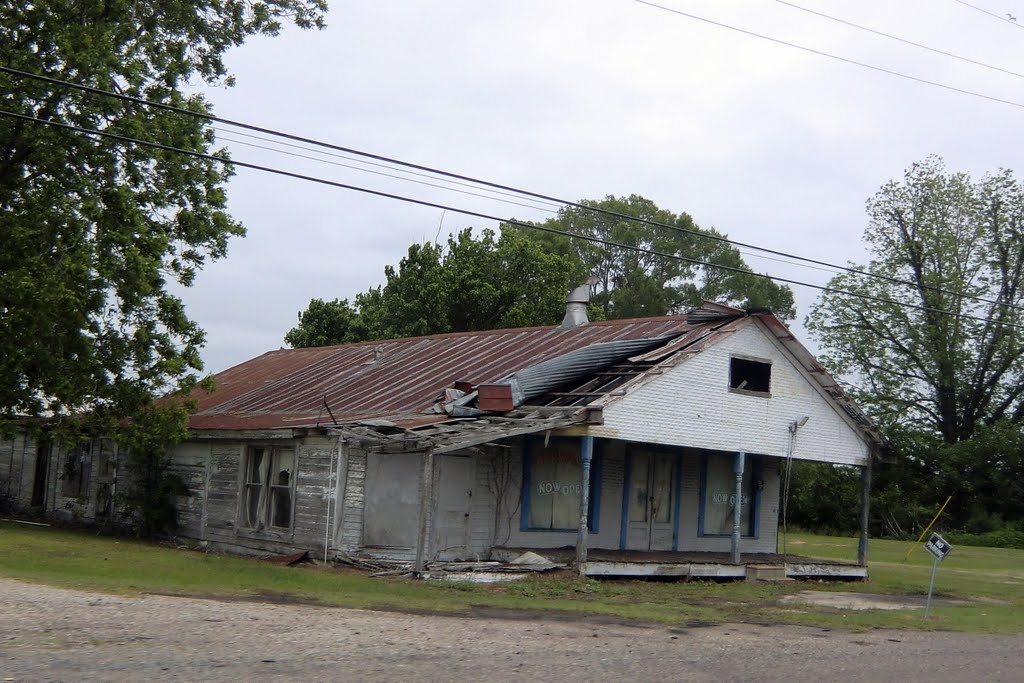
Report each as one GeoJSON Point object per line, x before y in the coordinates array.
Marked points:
{"type": "Point", "coordinates": [866, 601]}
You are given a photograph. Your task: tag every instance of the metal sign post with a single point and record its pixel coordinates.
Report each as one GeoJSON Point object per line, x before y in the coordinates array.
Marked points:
{"type": "Point", "coordinates": [939, 548]}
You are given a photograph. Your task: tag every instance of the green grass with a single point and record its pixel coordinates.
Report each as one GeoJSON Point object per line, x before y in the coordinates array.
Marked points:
{"type": "Point", "coordinates": [76, 559]}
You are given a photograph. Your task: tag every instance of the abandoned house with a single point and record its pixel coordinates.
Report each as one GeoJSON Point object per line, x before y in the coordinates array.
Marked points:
{"type": "Point", "coordinates": [652, 446]}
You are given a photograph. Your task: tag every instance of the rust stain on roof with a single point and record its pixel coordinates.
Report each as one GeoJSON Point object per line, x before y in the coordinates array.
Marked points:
{"type": "Point", "coordinates": [288, 388]}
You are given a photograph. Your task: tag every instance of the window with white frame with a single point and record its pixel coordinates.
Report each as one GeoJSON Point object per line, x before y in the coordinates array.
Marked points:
{"type": "Point", "coordinates": [267, 488]}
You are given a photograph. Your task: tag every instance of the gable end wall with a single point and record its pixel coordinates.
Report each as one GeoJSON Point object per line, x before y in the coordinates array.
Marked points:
{"type": "Point", "coordinates": [691, 405]}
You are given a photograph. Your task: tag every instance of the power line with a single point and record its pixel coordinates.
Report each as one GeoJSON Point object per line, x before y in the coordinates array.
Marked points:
{"type": "Point", "coordinates": [822, 53]}
{"type": "Point", "coordinates": [450, 189]}
{"type": "Point", "coordinates": [381, 173]}
{"type": "Point", "coordinates": [499, 186]}
{"type": "Point", "coordinates": [1009, 18]}
{"type": "Point", "coordinates": [553, 205]}
{"type": "Point", "coordinates": [897, 38]}
{"type": "Point", "coordinates": [477, 214]}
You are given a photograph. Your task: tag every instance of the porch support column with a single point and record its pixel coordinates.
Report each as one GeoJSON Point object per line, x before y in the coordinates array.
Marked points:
{"type": "Point", "coordinates": [426, 506]}
{"type": "Point", "coordinates": [737, 510]}
{"type": "Point", "coordinates": [865, 511]}
{"type": "Point", "coordinates": [586, 455]}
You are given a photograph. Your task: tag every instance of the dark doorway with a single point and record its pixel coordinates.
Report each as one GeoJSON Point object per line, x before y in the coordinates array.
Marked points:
{"type": "Point", "coordinates": [39, 483]}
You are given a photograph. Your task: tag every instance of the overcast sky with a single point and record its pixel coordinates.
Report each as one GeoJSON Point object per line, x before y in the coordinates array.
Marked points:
{"type": "Point", "coordinates": [580, 99]}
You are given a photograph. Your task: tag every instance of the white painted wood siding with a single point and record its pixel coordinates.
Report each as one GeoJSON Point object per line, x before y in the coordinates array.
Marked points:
{"type": "Point", "coordinates": [691, 405]}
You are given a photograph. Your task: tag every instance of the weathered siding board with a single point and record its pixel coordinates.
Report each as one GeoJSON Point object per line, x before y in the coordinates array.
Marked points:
{"type": "Point", "coordinates": [493, 473]}
{"type": "Point", "coordinates": [188, 461]}
{"type": "Point", "coordinates": [17, 469]}
{"type": "Point", "coordinates": [313, 490]}
{"type": "Point", "coordinates": [355, 496]}
{"type": "Point", "coordinates": [691, 405]}
{"type": "Point", "coordinates": [222, 494]}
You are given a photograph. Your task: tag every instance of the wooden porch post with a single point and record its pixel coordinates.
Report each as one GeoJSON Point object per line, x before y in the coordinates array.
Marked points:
{"type": "Point", "coordinates": [865, 510]}
{"type": "Point", "coordinates": [426, 506]}
{"type": "Point", "coordinates": [586, 455]}
{"type": "Point", "coordinates": [737, 509]}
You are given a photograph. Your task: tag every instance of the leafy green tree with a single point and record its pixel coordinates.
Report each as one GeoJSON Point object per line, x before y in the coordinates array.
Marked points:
{"type": "Point", "coordinates": [469, 284]}
{"type": "Point", "coordinates": [93, 231]}
{"type": "Point", "coordinates": [327, 322]}
{"type": "Point", "coordinates": [938, 346]}
{"type": "Point", "coordinates": [632, 284]}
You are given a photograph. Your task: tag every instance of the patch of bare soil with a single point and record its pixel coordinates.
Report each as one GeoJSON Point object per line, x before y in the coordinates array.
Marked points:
{"type": "Point", "coordinates": [866, 601]}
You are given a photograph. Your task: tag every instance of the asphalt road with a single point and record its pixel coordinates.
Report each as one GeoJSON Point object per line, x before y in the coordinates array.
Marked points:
{"type": "Point", "coordinates": [49, 634]}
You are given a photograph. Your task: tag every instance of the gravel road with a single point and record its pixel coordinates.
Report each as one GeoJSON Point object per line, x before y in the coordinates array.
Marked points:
{"type": "Point", "coordinates": [50, 634]}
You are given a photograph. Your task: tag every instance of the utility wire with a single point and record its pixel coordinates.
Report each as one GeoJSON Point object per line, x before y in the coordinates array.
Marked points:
{"type": "Point", "coordinates": [485, 183]}
{"type": "Point", "coordinates": [382, 173]}
{"type": "Point", "coordinates": [898, 39]}
{"type": "Point", "coordinates": [822, 53]}
{"type": "Point", "coordinates": [450, 189]}
{"type": "Point", "coordinates": [554, 206]}
{"type": "Point", "coordinates": [1008, 18]}
{"type": "Point", "coordinates": [477, 214]}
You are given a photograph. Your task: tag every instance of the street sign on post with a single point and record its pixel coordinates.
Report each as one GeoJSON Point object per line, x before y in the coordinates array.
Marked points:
{"type": "Point", "coordinates": [939, 548]}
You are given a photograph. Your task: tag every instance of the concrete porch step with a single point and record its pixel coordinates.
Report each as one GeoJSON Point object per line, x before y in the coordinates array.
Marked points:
{"type": "Point", "coordinates": [767, 572]}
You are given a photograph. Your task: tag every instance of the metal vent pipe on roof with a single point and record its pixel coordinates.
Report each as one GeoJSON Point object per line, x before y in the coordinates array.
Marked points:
{"type": "Point", "coordinates": [576, 307]}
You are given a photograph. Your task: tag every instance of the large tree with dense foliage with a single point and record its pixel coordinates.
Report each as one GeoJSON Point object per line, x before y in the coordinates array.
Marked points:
{"type": "Point", "coordinates": [471, 283]}
{"type": "Point", "coordinates": [631, 283]}
{"type": "Point", "coordinates": [933, 347]}
{"type": "Point", "coordinates": [935, 342]}
{"type": "Point", "coordinates": [93, 232]}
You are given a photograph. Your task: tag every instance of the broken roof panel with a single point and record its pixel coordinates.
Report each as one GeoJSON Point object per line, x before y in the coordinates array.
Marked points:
{"type": "Point", "coordinates": [542, 378]}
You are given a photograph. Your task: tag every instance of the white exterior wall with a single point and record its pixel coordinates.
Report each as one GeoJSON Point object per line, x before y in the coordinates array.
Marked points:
{"type": "Point", "coordinates": [691, 405]}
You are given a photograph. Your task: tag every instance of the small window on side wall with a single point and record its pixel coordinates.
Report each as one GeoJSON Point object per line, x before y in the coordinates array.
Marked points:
{"type": "Point", "coordinates": [267, 488]}
{"type": "Point", "coordinates": [750, 375]}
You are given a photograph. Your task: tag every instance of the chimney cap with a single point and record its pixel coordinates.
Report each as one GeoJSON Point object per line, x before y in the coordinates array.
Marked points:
{"type": "Point", "coordinates": [576, 306]}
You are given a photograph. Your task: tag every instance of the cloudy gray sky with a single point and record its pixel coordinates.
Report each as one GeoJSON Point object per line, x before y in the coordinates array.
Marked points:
{"type": "Point", "coordinates": [579, 99]}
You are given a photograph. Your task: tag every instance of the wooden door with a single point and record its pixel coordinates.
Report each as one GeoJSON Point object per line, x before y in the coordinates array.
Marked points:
{"type": "Point", "coordinates": [650, 517]}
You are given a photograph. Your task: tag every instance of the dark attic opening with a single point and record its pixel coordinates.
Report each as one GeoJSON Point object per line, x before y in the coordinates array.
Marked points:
{"type": "Point", "coordinates": [750, 375]}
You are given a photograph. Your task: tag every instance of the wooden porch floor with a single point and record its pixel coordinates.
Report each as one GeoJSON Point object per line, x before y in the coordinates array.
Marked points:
{"type": "Point", "coordinates": [764, 566]}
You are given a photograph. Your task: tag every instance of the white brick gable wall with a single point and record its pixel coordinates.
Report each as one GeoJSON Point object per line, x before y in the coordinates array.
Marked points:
{"type": "Point", "coordinates": [692, 405]}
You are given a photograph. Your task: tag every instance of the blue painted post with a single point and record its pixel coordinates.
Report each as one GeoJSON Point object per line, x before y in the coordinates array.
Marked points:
{"type": "Point", "coordinates": [586, 455]}
{"type": "Point", "coordinates": [737, 510]}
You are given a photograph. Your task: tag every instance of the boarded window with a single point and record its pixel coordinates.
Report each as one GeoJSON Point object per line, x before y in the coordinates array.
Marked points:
{"type": "Point", "coordinates": [267, 488]}
{"type": "Point", "coordinates": [719, 495]}
{"type": "Point", "coordinates": [553, 485]}
{"type": "Point", "coordinates": [750, 375]}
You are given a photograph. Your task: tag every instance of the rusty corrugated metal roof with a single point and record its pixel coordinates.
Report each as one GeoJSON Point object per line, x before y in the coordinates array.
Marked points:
{"type": "Point", "coordinates": [289, 387]}
{"type": "Point", "coordinates": [400, 378]}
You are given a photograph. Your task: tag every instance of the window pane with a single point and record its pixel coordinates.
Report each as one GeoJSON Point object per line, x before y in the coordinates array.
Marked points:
{"type": "Point", "coordinates": [284, 463]}
{"type": "Point", "coordinates": [252, 505]}
{"type": "Point", "coordinates": [555, 487]}
{"type": "Point", "coordinates": [281, 506]}
{"type": "Point", "coordinates": [639, 476]}
{"type": "Point", "coordinates": [542, 494]}
{"type": "Point", "coordinates": [252, 475]}
{"type": "Point", "coordinates": [720, 496]}
{"type": "Point", "coordinates": [663, 489]}
{"type": "Point", "coordinates": [565, 512]}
